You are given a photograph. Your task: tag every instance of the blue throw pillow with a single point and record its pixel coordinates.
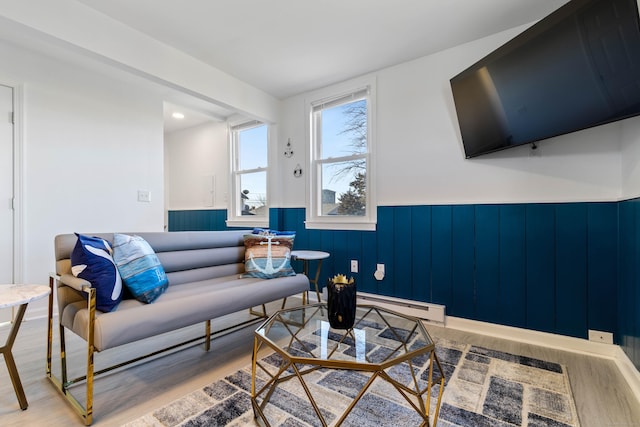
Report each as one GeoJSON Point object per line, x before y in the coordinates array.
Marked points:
{"type": "Point", "coordinates": [91, 260]}
{"type": "Point", "coordinates": [140, 268]}
{"type": "Point", "coordinates": [267, 254]}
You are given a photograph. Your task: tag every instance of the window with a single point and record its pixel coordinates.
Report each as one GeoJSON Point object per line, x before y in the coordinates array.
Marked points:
{"type": "Point", "coordinates": [249, 161]}
{"type": "Point", "coordinates": [341, 173]}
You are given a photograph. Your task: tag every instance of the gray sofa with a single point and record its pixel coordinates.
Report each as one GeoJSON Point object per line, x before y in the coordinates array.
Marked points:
{"type": "Point", "coordinates": [204, 271]}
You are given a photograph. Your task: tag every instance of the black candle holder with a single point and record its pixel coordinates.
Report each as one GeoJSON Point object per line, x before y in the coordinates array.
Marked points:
{"type": "Point", "coordinates": [341, 302]}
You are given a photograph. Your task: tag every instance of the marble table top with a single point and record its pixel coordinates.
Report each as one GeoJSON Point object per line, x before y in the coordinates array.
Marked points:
{"type": "Point", "coordinates": [12, 295]}
{"type": "Point", "coordinates": [309, 255]}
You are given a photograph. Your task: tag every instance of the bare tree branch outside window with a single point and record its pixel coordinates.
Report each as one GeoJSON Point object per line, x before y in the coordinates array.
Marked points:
{"type": "Point", "coordinates": [354, 201]}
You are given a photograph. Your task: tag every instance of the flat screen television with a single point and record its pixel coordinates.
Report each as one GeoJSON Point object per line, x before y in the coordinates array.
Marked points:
{"type": "Point", "coordinates": [577, 68]}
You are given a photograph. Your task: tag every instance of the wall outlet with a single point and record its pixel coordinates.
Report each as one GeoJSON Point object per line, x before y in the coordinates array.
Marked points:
{"type": "Point", "coordinates": [602, 337]}
{"type": "Point", "coordinates": [354, 265]}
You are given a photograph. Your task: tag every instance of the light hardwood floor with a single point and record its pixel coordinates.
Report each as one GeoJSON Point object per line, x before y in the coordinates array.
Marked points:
{"type": "Point", "coordinates": [602, 397]}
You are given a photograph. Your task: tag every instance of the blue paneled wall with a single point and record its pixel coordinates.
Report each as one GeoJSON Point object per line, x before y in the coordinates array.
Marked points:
{"type": "Point", "coordinates": [558, 267]}
{"type": "Point", "coordinates": [198, 220]}
{"type": "Point", "coordinates": [548, 267]}
{"type": "Point", "coordinates": [629, 287]}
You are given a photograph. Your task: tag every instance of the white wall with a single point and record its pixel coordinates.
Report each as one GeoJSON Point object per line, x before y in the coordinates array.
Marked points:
{"type": "Point", "coordinates": [74, 26]}
{"type": "Point", "coordinates": [89, 144]}
{"type": "Point", "coordinates": [420, 158]}
{"type": "Point", "coordinates": [419, 154]}
{"type": "Point", "coordinates": [630, 152]}
{"type": "Point", "coordinates": [192, 158]}
{"type": "Point", "coordinates": [631, 158]}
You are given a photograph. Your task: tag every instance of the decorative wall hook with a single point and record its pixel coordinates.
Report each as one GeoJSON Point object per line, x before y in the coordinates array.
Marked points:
{"type": "Point", "coordinates": [288, 152]}
{"type": "Point", "coordinates": [297, 172]}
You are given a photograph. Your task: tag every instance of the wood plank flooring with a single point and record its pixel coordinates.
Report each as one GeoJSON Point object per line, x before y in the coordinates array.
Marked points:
{"type": "Point", "coordinates": [602, 397]}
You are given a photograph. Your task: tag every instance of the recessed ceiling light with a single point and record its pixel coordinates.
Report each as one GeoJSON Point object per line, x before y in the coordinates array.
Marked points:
{"type": "Point", "coordinates": [177, 116]}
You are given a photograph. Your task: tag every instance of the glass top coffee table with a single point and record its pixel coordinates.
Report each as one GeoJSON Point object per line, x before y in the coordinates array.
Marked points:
{"type": "Point", "coordinates": [391, 354]}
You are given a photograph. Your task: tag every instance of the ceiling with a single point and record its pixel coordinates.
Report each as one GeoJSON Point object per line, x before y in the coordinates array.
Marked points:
{"type": "Point", "coordinates": [288, 47]}
{"type": "Point", "coordinates": [192, 115]}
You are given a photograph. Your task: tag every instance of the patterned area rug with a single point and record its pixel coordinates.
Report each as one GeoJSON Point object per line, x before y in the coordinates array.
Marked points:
{"type": "Point", "coordinates": [485, 388]}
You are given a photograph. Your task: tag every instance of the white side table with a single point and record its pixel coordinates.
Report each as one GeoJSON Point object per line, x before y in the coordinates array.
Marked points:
{"type": "Point", "coordinates": [11, 296]}
{"type": "Point", "coordinates": [305, 257]}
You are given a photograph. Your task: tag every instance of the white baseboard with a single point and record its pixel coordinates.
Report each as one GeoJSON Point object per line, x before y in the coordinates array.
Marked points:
{"type": "Point", "coordinates": [628, 370]}
{"type": "Point", "coordinates": [544, 339]}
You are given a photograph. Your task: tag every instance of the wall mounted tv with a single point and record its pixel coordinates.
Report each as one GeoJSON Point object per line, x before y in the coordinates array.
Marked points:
{"type": "Point", "coordinates": [577, 68]}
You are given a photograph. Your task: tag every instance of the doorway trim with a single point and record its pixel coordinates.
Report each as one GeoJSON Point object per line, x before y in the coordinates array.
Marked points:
{"type": "Point", "coordinates": [18, 180]}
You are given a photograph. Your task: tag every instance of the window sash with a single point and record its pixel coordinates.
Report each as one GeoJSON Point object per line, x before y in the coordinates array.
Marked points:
{"type": "Point", "coordinates": [236, 202]}
{"type": "Point", "coordinates": [331, 102]}
{"type": "Point", "coordinates": [240, 202]}
{"type": "Point", "coordinates": [323, 184]}
{"type": "Point", "coordinates": [318, 162]}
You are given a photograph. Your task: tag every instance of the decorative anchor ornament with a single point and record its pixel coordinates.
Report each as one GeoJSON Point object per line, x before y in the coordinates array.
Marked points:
{"type": "Point", "coordinates": [269, 268]}
{"type": "Point", "coordinates": [288, 152]}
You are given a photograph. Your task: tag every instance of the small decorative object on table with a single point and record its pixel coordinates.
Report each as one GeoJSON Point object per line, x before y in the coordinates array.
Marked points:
{"type": "Point", "coordinates": [341, 302]}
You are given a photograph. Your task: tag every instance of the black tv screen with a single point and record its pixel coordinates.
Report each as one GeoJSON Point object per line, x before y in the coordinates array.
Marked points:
{"type": "Point", "coordinates": [577, 68]}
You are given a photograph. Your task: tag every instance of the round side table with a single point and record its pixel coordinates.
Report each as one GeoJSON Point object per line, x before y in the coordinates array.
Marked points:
{"type": "Point", "coordinates": [305, 257]}
{"type": "Point", "coordinates": [11, 296]}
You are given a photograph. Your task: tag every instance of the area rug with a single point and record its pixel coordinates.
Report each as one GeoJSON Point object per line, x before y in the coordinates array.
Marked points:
{"type": "Point", "coordinates": [484, 388]}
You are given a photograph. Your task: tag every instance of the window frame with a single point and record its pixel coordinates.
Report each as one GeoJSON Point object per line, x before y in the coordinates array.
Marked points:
{"type": "Point", "coordinates": [234, 216]}
{"type": "Point", "coordinates": [331, 97]}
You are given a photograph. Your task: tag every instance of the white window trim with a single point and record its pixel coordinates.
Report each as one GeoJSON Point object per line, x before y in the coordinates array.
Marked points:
{"type": "Point", "coordinates": [233, 219]}
{"type": "Point", "coordinates": [325, 222]}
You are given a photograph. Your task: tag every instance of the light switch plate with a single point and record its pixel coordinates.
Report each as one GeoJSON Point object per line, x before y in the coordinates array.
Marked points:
{"type": "Point", "coordinates": [144, 196]}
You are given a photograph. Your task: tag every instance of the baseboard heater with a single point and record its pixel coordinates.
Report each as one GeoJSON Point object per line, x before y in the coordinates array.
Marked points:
{"type": "Point", "coordinates": [422, 310]}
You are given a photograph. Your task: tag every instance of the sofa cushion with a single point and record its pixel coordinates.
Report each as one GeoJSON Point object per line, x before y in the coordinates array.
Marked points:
{"type": "Point", "coordinates": [140, 268]}
{"type": "Point", "coordinates": [268, 255]}
{"type": "Point", "coordinates": [91, 260]}
{"type": "Point", "coordinates": [178, 307]}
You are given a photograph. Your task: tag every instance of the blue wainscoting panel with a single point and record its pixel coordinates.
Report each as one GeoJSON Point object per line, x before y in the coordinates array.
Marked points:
{"type": "Point", "coordinates": [325, 241]}
{"type": "Point", "coordinates": [463, 260]}
{"type": "Point", "coordinates": [354, 251]}
{"type": "Point", "coordinates": [340, 256]}
{"type": "Point", "coordinates": [293, 219]}
{"type": "Point", "coordinates": [629, 287]}
{"type": "Point", "coordinates": [487, 263]}
{"type": "Point", "coordinates": [401, 250]}
{"type": "Point", "coordinates": [512, 293]}
{"type": "Point", "coordinates": [315, 239]}
{"type": "Point", "coordinates": [421, 253]}
{"type": "Point", "coordinates": [602, 265]}
{"type": "Point", "coordinates": [571, 269]}
{"type": "Point", "coordinates": [540, 246]}
{"type": "Point", "coordinates": [555, 267]}
{"type": "Point", "coordinates": [368, 264]}
{"type": "Point", "coordinates": [198, 220]}
{"type": "Point", "coordinates": [441, 255]}
{"type": "Point", "coordinates": [627, 274]}
{"type": "Point", "coordinates": [386, 246]}
{"type": "Point", "coordinates": [276, 219]}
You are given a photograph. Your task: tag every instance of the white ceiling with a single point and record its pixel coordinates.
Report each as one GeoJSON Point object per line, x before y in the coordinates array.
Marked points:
{"type": "Point", "coordinates": [189, 118]}
{"type": "Point", "coordinates": [287, 47]}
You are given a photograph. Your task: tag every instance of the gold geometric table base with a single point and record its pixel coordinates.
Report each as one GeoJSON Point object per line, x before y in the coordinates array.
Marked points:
{"type": "Point", "coordinates": [293, 368]}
